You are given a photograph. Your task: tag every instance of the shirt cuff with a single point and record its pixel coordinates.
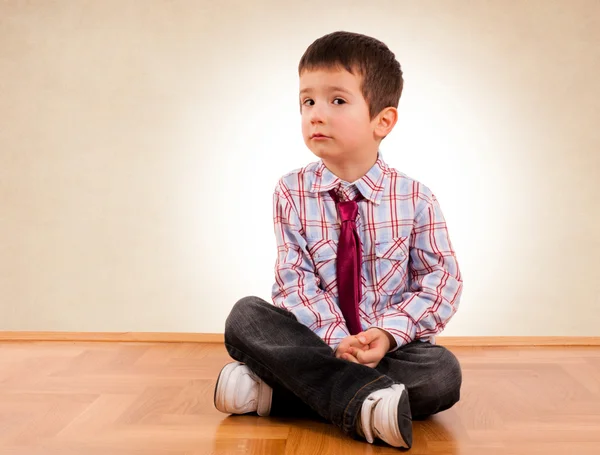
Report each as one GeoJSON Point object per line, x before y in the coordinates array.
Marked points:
{"type": "Point", "coordinates": [401, 328]}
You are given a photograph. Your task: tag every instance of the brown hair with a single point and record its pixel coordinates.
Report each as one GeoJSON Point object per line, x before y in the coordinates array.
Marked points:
{"type": "Point", "coordinates": [381, 73]}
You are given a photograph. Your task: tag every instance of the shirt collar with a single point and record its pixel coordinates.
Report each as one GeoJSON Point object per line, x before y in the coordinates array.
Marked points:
{"type": "Point", "coordinates": [371, 185]}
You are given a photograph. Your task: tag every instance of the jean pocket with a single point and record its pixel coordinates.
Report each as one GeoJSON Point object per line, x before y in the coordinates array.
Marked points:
{"type": "Point", "coordinates": [324, 253]}
{"type": "Point", "coordinates": [392, 264]}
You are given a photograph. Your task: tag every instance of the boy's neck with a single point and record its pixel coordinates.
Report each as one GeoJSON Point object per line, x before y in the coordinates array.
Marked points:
{"type": "Point", "coordinates": [351, 171]}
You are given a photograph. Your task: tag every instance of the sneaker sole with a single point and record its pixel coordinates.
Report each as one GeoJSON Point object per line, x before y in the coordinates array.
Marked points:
{"type": "Point", "coordinates": [265, 397]}
{"type": "Point", "coordinates": [219, 398]}
{"type": "Point", "coordinates": [405, 419]}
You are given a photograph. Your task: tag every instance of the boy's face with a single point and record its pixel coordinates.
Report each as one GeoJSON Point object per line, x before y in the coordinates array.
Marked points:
{"type": "Point", "coordinates": [332, 105]}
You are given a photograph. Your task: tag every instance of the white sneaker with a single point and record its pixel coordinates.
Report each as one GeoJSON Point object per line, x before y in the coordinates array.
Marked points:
{"type": "Point", "coordinates": [240, 391]}
{"type": "Point", "coordinates": [385, 414]}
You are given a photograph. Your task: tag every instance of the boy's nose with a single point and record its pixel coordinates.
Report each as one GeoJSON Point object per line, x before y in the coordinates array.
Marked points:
{"type": "Point", "coordinates": [316, 115]}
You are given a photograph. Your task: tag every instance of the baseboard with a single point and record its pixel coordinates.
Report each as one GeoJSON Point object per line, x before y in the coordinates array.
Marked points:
{"type": "Point", "coordinates": [140, 337]}
{"type": "Point", "coordinates": [180, 337]}
{"type": "Point", "coordinates": [518, 341]}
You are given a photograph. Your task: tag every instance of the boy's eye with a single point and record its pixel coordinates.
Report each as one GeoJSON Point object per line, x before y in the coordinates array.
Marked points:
{"type": "Point", "coordinates": [310, 102]}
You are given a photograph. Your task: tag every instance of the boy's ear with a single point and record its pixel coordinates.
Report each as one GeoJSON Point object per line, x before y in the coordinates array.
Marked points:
{"type": "Point", "coordinates": [385, 121]}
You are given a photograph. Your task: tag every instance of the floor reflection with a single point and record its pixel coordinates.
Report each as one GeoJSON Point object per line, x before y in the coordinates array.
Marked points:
{"type": "Point", "coordinates": [271, 435]}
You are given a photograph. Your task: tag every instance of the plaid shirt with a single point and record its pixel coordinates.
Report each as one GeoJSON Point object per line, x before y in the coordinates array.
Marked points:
{"type": "Point", "coordinates": [411, 283]}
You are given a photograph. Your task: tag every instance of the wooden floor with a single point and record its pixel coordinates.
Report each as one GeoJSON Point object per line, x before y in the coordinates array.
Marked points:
{"type": "Point", "coordinates": [157, 399]}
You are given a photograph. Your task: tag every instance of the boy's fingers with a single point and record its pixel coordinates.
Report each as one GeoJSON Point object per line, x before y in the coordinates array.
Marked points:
{"type": "Point", "coordinates": [370, 356]}
{"type": "Point", "coordinates": [354, 352]}
{"type": "Point", "coordinates": [367, 337]}
{"type": "Point", "coordinates": [345, 344]}
{"type": "Point", "coordinates": [350, 358]}
{"type": "Point", "coordinates": [358, 343]}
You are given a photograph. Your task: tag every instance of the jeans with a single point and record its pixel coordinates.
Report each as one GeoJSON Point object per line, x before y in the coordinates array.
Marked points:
{"type": "Point", "coordinates": [308, 379]}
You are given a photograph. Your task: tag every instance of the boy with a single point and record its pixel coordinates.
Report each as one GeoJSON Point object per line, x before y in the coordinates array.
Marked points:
{"type": "Point", "coordinates": [365, 274]}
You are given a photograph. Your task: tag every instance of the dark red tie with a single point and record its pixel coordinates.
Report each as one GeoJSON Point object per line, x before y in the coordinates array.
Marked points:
{"type": "Point", "coordinates": [349, 259]}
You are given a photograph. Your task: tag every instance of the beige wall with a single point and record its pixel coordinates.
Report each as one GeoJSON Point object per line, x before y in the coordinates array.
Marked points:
{"type": "Point", "coordinates": [138, 137]}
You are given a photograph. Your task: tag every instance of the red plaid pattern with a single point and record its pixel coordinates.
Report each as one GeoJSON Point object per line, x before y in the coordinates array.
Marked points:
{"type": "Point", "coordinates": [411, 281]}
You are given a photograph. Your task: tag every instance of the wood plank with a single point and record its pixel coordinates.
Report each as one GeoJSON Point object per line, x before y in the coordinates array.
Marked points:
{"type": "Point", "coordinates": [182, 337]}
{"type": "Point", "coordinates": [97, 398]}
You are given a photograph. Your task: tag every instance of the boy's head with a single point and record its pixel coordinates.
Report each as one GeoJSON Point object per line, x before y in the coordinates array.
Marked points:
{"type": "Point", "coordinates": [350, 87]}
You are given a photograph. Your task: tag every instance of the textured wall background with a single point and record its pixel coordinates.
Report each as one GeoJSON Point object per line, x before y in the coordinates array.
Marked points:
{"type": "Point", "coordinates": [137, 137]}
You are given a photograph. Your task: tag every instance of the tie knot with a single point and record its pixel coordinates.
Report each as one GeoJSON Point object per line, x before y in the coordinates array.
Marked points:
{"type": "Point", "coordinates": [348, 210]}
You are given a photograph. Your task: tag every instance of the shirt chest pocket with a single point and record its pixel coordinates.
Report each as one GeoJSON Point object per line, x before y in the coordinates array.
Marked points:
{"type": "Point", "coordinates": [392, 258]}
{"type": "Point", "coordinates": [324, 253]}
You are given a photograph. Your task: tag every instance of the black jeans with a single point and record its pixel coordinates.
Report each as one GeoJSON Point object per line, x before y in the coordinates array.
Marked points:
{"type": "Point", "coordinates": [306, 377]}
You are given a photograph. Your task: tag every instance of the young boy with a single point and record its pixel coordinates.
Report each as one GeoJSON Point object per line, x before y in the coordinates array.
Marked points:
{"type": "Point", "coordinates": [365, 275]}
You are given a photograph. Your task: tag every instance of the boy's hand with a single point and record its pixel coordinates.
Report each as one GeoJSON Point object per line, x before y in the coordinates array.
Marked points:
{"type": "Point", "coordinates": [373, 345]}
{"type": "Point", "coordinates": [351, 341]}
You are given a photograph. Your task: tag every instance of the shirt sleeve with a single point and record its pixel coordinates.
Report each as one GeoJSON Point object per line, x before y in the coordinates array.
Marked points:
{"type": "Point", "coordinates": [435, 282]}
{"type": "Point", "coordinates": [296, 286]}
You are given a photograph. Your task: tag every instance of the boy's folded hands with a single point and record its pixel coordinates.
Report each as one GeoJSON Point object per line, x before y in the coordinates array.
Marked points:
{"type": "Point", "coordinates": [367, 348]}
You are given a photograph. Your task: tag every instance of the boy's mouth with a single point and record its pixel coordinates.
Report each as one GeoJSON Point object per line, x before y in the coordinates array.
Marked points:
{"type": "Point", "coordinates": [319, 136]}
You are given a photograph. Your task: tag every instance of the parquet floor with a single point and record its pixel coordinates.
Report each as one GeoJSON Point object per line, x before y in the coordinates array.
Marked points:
{"type": "Point", "coordinates": [157, 399]}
